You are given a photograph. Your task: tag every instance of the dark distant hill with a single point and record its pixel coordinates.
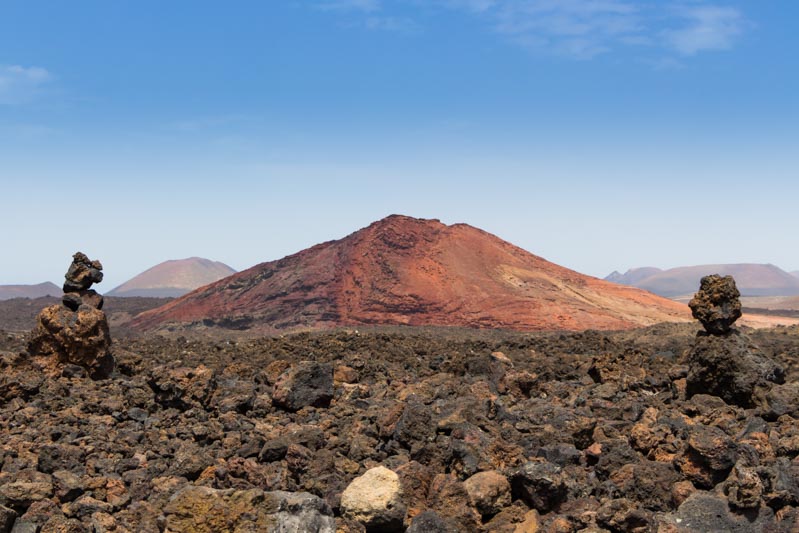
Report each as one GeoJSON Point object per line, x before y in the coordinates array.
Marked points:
{"type": "Point", "coordinates": [751, 279]}
{"type": "Point", "coordinates": [19, 314]}
{"type": "Point", "coordinates": [47, 288]}
{"type": "Point", "coordinates": [173, 278]}
{"type": "Point", "coordinates": [408, 271]}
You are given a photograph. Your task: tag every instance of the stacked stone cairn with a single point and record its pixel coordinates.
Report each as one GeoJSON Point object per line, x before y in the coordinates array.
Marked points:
{"type": "Point", "coordinates": [724, 362]}
{"type": "Point", "coordinates": [73, 337]}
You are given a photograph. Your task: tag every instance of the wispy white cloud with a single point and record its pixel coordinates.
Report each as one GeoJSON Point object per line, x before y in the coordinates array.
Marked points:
{"type": "Point", "coordinates": [708, 28]}
{"type": "Point", "coordinates": [371, 15]}
{"type": "Point", "coordinates": [20, 84]}
{"type": "Point", "coordinates": [579, 29]}
{"type": "Point", "coordinates": [476, 6]}
{"type": "Point", "coordinates": [367, 6]}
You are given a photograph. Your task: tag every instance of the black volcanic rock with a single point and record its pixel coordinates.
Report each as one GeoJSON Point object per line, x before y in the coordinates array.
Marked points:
{"type": "Point", "coordinates": [711, 512]}
{"type": "Point", "coordinates": [7, 518]}
{"type": "Point", "coordinates": [722, 361]}
{"type": "Point", "coordinates": [305, 384]}
{"type": "Point", "coordinates": [730, 367]}
{"type": "Point", "coordinates": [599, 438]}
{"type": "Point", "coordinates": [82, 273]}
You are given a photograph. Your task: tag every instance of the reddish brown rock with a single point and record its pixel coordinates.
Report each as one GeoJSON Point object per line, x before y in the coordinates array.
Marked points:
{"type": "Point", "coordinates": [80, 338]}
{"type": "Point", "coordinates": [408, 271]}
{"type": "Point", "coordinates": [448, 498]}
{"type": "Point", "coordinates": [709, 456]}
{"type": "Point", "coordinates": [77, 332]}
{"type": "Point", "coordinates": [489, 492]}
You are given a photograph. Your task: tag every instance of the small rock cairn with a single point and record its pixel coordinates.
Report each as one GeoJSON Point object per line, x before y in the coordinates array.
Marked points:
{"type": "Point", "coordinates": [76, 332]}
{"type": "Point", "coordinates": [722, 361]}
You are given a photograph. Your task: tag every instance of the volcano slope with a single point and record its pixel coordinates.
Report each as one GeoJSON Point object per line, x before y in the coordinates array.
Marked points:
{"type": "Point", "coordinates": [402, 270]}
{"type": "Point", "coordinates": [478, 430]}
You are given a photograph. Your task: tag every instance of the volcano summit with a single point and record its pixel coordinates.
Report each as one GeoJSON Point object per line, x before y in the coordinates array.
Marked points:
{"type": "Point", "coordinates": [407, 271]}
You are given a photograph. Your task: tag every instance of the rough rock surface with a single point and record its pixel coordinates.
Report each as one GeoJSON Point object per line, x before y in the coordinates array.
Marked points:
{"type": "Point", "coordinates": [375, 500]}
{"type": "Point", "coordinates": [205, 510]}
{"type": "Point", "coordinates": [304, 384]}
{"type": "Point", "coordinates": [82, 273]}
{"type": "Point", "coordinates": [489, 492]}
{"type": "Point", "coordinates": [408, 271]}
{"type": "Point", "coordinates": [76, 332]}
{"type": "Point", "coordinates": [717, 305]}
{"type": "Point", "coordinates": [722, 361]}
{"type": "Point", "coordinates": [731, 367]}
{"type": "Point", "coordinates": [594, 432]}
{"type": "Point", "coordinates": [74, 337]}
{"type": "Point", "coordinates": [707, 512]}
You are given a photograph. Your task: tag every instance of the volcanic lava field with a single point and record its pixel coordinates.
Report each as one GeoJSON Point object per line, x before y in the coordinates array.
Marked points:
{"type": "Point", "coordinates": [268, 400]}
{"type": "Point", "coordinates": [450, 429]}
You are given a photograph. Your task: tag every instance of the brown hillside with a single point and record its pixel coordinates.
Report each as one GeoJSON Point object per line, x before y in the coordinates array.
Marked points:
{"type": "Point", "coordinates": [173, 278]}
{"type": "Point", "coordinates": [751, 279]}
{"type": "Point", "coordinates": [402, 270]}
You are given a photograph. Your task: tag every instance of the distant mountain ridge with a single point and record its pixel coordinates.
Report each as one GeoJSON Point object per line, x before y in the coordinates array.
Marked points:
{"type": "Point", "coordinates": [632, 276]}
{"type": "Point", "coordinates": [407, 271]}
{"type": "Point", "coordinates": [7, 292]}
{"type": "Point", "coordinates": [752, 279]}
{"type": "Point", "coordinates": [174, 278]}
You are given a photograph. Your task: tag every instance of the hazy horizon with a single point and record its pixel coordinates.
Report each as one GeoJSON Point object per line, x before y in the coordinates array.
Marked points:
{"type": "Point", "coordinates": [601, 136]}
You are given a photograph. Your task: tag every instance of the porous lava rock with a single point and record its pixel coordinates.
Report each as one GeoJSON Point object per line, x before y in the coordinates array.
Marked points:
{"type": "Point", "coordinates": [7, 518]}
{"type": "Point", "coordinates": [731, 367]}
{"type": "Point", "coordinates": [82, 273]}
{"type": "Point", "coordinates": [489, 492]}
{"type": "Point", "coordinates": [710, 512]}
{"type": "Point", "coordinates": [76, 332]}
{"type": "Point", "coordinates": [717, 305]}
{"type": "Point", "coordinates": [304, 384]}
{"type": "Point", "coordinates": [585, 446]}
{"type": "Point", "coordinates": [722, 361]}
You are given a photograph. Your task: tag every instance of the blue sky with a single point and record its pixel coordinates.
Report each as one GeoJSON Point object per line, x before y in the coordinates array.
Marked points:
{"type": "Point", "coordinates": [600, 134]}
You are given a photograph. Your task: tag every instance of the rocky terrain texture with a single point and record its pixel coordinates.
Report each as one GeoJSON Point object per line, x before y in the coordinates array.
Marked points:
{"type": "Point", "coordinates": [173, 278]}
{"type": "Point", "coordinates": [40, 290]}
{"type": "Point", "coordinates": [408, 271]}
{"type": "Point", "coordinates": [19, 314]}
{"type": "Point", "coordinates": [752, 279]}
{"type": "Point", "coordinates": [789, 305]}
{"type": "Point", "coordinates": [408, 429]}
{"type": "Point", "coordinates": [76, 332]}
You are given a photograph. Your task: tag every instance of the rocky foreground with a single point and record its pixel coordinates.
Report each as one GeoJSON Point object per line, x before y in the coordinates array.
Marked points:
{"type": "Point", "coordinates": [413, 430]}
